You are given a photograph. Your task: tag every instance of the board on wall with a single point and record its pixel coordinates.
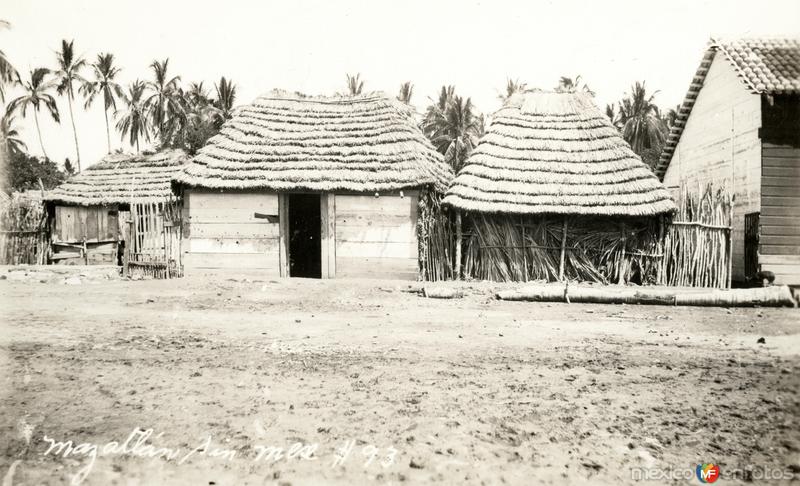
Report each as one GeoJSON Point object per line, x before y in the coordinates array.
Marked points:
{"type": "Point", "coordinates": [779, 241]}
{"type": "Point", "coordinates": [85, 235]}
{"type": "Point", "coordinates": [376, 237]}
{"type": "Point", "coordinates": [231, 230]}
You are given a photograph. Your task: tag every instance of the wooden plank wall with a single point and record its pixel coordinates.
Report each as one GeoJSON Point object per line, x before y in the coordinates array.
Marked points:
{"type": "Point", "coordinates": [376, 237]}
{"type": "Point", "coordinates": [779, 245]}
{"type": "Point", "coordinates": [93, 229]}
{"type": "Point", "coordinates": [724, 107]}
{"type": "Point", "coordinates": [221, 231]}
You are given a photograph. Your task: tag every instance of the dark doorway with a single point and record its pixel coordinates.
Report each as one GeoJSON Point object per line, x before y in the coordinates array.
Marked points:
{"type": "Point", "coordinates": [751, 227]}
{"type": "Point", "coordinates": [305, 251]}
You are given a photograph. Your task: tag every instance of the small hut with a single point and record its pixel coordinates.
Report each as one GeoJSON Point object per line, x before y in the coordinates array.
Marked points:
{"type": "Point", "coordinates": [552, 191]}
{"type": "Point", "coordinates": [317, 187]}
{"type": "Point", "coordinates": [89, 214]}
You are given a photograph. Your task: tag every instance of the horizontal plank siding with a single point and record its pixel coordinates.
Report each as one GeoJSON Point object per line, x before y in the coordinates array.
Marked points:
{"type": "Point", "coordinates": [231, 230]}
{"type": "Point", "coordinates": [779, 242]}
{"type": "Point", "coordinates": [376, 237]}
{"type": "Point", "coordinates": [390, 268]}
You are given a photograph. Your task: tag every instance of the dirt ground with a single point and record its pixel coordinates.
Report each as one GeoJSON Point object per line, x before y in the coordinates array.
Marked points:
{"type": "Point", "coordinates": [406, 389]}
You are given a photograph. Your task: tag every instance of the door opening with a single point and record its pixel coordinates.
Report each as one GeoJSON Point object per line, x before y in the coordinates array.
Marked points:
{"type": "Point", "coordinates": [305, 226]}
{"type": "Point", "coordinates": [751, 237]}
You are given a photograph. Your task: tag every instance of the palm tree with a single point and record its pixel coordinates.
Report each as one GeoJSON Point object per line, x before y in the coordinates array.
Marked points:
{"type": "Point", "coordinates": [37, 95]}
{"type": "Point", "coordinates": [406, 92]}
{"type": "Point", "coordinates": [68, 73]}
{"type": "Point", "coordinates": [453, 127]}
{"type": "Point", "coordinates": [513, 86]}
{"type": "Point", "coordinates": [197, 95]}
{"type": "Point", "coordinates": [640, 120]}
{"type": "Point", "coordinates": [9, 135]}
{"type": "Point", "coordinates": [613, 115]}
{"type": "Point", "coordinates": [133, 122]}
{"type": "Point", "coordinates": [573, 85]}
{"type": "Point", "coordinates": [436, 111]}
{"type": "Point", "coordinates": [8, 75]}
{"type": "Point", "coordinates": [165, 103]}
{"type": "Point", "coordinates": [671, 115]}
{"type": "Point", "coordinates": [104, 74]}
{"type": "Point", "coordinates": [226, 95]}
{"type": "Point", "coordinates": [354, 84]}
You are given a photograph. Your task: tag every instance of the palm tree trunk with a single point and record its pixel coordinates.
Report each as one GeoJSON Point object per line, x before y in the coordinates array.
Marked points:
{"type": "Point", "coordinates": [137, 145]}
{"type": "Point", "coordinates": [108, 132]}
{"type": "Point", "coordinates": [39, 131]}
{"type": "Point", "coordinates": [74, 131]}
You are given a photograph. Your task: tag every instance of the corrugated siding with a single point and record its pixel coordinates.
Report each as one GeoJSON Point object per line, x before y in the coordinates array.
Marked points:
{"type": "Point", "coordinates": [724, 107]}
{"type": "Point", "coordinates": [779, 245]}
{"type": "Point", "coordinates": [376, 237]}
{"type": "Point", "coordinates": [221, 231]}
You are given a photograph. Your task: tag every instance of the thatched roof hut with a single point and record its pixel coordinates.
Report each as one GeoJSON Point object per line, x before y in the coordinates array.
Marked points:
{"type": "Point", "coordinates": [556, 153]}
{"type": "Point", "coordinates": [284, 141]}
{"type": "Point", "coordinates": [122, 178]}
{"type": "Point", "coordinates": [549, 158]}
{"type": "Point", "coordinates": [89, 213]}
{"type": "Point", "coordinates": [312, 186]}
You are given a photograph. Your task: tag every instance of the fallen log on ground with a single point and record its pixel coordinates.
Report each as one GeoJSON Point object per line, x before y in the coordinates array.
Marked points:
{"type": "Point", "coordinates": [442, 293]}
{"type": "Point", "coordinates": [779, 296]}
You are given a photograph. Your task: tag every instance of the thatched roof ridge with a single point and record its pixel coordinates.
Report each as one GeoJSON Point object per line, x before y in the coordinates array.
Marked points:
{"type": "Point", "coordinates": [290, 141]}
{"type": "Point", "coordinates": [122, 179]}
{"type": "Point", "coordinates": [549, 152]}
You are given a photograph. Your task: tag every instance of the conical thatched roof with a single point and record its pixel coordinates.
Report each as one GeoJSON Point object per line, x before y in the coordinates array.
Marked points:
{"type": "Point", "coordinates": [556, 153]}
{"type": "Point", "coordinates": [284, 141]}
{"type": "Point", "coordinates": [121, 179]}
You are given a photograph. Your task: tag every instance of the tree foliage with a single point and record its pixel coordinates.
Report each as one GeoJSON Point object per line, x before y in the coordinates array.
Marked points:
{"type": "Point", "coordinates": [453, 125]}
{"type": "Point", "coordinates": [406, 92]}
{"type": "Point", "coordinates": [25, 171]}
{"type": "Point", "coordinates": [354, 84]}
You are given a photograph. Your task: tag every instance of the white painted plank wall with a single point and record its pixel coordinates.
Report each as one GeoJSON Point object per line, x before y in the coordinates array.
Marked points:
{"type": "Point", "coordinates": [376, 237]}
{"type": "Point", "coordinates": [704, 152]}
{"type": "Point", "coordinates": [222, 232]}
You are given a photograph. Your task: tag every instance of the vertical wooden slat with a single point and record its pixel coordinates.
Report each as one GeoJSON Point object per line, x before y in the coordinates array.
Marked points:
{"type": "Point", "coordinates": [328, 234]}
{"type": "Point", "coordinates": [563, 249]}
{"type": "Point", "coordinates": [283, 230]}
{"type": "Point", "coordinates": [457, 266]}
{"type": "Point", "coordinates": [324, 236]}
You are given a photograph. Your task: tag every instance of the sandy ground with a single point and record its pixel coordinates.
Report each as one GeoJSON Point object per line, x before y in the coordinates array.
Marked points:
{"type": "Point", "coordinates": [407, 389]}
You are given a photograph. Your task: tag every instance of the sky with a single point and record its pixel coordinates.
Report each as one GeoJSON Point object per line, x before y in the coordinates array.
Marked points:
{"type": "Point", "coordinates": [308, 46]}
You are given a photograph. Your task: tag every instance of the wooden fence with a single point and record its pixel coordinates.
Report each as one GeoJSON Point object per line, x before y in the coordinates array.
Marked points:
{"type": "Point", "coordinates": [154, 240]}
{"type": "Point", "coordinates": [697, 246]}
{"type": "Point", "coordinates": [23, 231]}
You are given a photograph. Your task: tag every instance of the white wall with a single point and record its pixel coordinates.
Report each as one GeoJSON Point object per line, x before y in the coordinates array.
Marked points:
{"type": "Point", "coordinates": [722, 126]}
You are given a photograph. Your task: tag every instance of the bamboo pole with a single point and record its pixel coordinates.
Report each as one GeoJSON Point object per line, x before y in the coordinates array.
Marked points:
{"type": "Point", "coordinates": [127, 254]}
{"type": "Point", "coordinates": [524, 251]}
{"type": "Point", "coordinates": [623, 264]}
{"type": "Point", "coordinates": [563, 249]}
{"type": "Point", "coordinates": [457, 266]}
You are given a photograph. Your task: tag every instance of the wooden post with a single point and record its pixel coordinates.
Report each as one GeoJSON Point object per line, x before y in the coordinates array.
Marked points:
{"type": "Point", "coordinates": [457, 266]}
{"type": "Point", "coordinates": [623, 264]}
{"type": "Point", "coordinates": [127, 255]}
{"type": "Point", "coordinates": [524, 250]}
{"type": "Point", "coordinates": [563, 249]}
{"type": "Point", "coordinates": [733, 196]}
{"type": "Point", "coordinates": [328, 234]}
{"type": "Point", "coordinates": [661, 251]}
{"type": "Point", "coordinates": [283, 231]}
